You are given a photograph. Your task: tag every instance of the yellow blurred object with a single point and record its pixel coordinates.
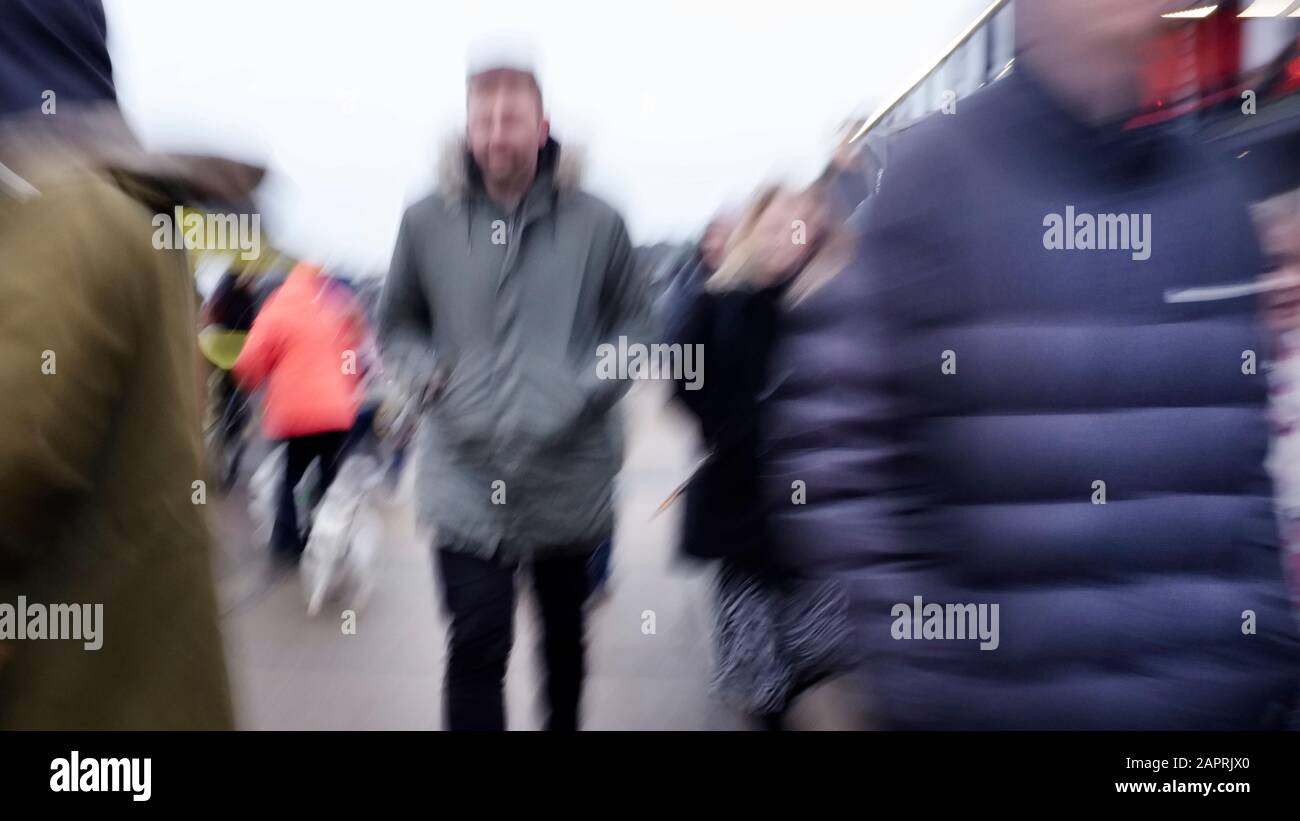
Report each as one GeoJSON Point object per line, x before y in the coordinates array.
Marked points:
{"type": "Point", "coordinates": [220, 346]}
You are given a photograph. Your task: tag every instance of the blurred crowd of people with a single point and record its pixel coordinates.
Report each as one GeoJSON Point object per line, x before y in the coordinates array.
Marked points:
{"type": "Point", "coordinates": [911, 397]}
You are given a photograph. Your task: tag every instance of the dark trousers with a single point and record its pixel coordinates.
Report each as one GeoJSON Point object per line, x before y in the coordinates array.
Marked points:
{"type": "Point", "coordinates": [301, 451]}
{"type": "Point", "coordinates": [359, 437]}
{"type": "Point", "coordinates": [598, 567]}
{"type": "Point", "coordinates": [480, 597]}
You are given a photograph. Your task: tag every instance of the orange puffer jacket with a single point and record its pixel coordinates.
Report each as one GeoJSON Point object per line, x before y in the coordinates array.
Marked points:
{"type": "Point", "coordinates": [305, 345]}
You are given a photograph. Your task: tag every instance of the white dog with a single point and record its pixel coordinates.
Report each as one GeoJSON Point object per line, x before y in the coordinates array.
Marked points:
{"type": "Point", "coordinates": [345, 536]}
{"type": "Point", "coordinates": [262, 490]}
{"type": "Point", "coordinates": [264, 494]}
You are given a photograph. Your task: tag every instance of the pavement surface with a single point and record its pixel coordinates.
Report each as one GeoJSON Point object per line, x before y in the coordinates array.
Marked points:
{"type": "Point", "coordinates": [294, 672]}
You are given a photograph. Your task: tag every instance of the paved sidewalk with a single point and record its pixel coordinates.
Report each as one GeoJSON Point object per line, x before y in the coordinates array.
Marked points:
{"type": "Point", "coordinates": [291, 672]}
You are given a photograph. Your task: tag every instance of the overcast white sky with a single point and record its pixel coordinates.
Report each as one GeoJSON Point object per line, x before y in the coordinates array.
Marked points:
{"type": "Point", "coordinates": [680, 106]}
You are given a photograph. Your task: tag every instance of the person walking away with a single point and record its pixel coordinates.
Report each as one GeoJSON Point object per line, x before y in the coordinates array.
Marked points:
{"type": "Point", "coordinates": [304, 345]}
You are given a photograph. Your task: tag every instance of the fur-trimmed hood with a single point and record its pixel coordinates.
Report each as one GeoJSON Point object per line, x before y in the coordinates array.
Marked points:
{"type": "Point", "coordinates": [457, 173]}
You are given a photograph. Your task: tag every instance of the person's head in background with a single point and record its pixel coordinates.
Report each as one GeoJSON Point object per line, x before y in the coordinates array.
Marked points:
{"type": "Point", "coordinates": [506, 123]}
{"type": "Point", "coordinates": [1279, 229]}
{"type": "Point", "coordinates": [1092, 54]}
{"type": "Point", "coordinates": [781, 229]}
{"type": "Point", "coordinates": [787, 229]}
{"type": "Point", "coordinates": [796, 222]}
{"type": "Point", "coordinates": [717, 234]}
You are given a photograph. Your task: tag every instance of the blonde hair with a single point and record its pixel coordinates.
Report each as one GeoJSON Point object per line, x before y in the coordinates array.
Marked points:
{"type": "Point", "coordinates": [830, 256]}
{"type": "Point", "coordinates": [742, 244]}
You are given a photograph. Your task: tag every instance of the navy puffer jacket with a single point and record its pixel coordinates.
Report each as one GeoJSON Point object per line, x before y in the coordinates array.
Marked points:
{"type": "Point", "coordinates": [1164, 607]}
